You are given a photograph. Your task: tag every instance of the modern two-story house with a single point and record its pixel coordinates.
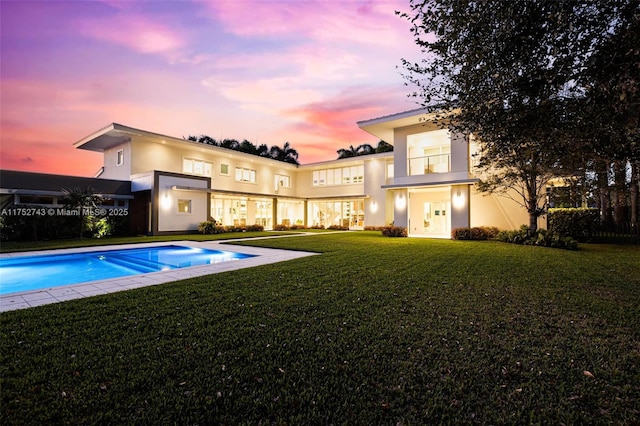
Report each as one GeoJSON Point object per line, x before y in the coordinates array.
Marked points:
{"type": "Point", "coordinates": [425, 184]}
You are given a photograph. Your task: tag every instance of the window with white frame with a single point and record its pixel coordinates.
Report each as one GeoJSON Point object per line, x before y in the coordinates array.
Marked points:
{"type": "Point", "coordinates": [282, 181]}
{"type": "Point", "coordinates": [196, 167]}
{"type": "Point", "coordinates": [224, 169]}
{"type": "Point", "coordinates": [338, 176]}
{"type": "Point", "coordinates": [245, 175]}
{"type": "Point", "coordinates": [120, 157]}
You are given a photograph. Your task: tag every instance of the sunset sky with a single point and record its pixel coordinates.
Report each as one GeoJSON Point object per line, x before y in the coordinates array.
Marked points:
{"type": "Point", "coordinates": [271, 72]}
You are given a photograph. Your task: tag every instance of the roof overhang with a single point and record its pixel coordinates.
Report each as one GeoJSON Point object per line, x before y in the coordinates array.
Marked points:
{"type": "Point", "coordinates": [109, 136]}
{"type": "Point", "coordinates": [383, 127]}
{"type": "Point", "coordinates": [431, 184]}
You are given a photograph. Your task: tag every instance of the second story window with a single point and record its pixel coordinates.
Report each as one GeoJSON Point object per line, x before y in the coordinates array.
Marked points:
{"type": "Point", "coordinates": [196, 167]}
{"type": "Point", "coordinates": [339, 176]}
{"type": "Point", "coordinates": [429, 152]}
{"type": "Point", "coordinates": [120, 157]}
{"type": "Point", "coordinates": [245, 175]}
{"type": "Point", "coordinates": [282, 181]}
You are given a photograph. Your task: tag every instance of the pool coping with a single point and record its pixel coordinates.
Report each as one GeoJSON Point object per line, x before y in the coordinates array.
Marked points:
{"type": "Point", "coordinates": [33, 298]}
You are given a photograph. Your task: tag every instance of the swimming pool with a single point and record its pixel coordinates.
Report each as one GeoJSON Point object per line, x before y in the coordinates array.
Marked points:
{"type": "Point", "coordinates": [26, 273]}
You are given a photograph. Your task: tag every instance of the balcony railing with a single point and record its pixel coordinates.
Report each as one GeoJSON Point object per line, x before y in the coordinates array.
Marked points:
{"type": "Point", "coordinates": [430, 164]}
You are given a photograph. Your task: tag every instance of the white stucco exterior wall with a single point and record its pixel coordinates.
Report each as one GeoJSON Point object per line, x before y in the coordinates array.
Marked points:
{"type": "Point", "coordinates": [169, 218]}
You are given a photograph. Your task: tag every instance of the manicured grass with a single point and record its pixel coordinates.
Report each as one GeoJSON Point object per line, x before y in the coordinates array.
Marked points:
{"type": "Point", "coordinates": [374, 331]}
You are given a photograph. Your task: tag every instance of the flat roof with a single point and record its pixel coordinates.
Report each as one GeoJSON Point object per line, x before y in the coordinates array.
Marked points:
{"type": "Point", "coordinates": [15, 182]}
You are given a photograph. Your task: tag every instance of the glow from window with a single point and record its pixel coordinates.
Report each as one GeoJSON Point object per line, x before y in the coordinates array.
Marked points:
{"type": "Point", "coordinates": [196, 167]}
{"type": "Point", "coordinates": [338, 176]}
{"type": "Point", "coordinates": [184, 206]}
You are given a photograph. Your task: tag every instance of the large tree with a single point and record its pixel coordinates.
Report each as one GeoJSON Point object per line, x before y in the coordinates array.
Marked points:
{"type": "Point", "coordinates": [508, 73]}
{"type": "Point", "coordinates": [611, 112]}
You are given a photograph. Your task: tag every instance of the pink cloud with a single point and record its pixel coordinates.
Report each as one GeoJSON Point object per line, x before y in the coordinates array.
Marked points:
{"type": "Point", "coordinates": [320, 128]}
{"type": "Point", "coordinates": [134, 32]}
{"type": "Point", "coordinates": [371, 22]}
{"type": "Point", "coordinates": [45, 149]}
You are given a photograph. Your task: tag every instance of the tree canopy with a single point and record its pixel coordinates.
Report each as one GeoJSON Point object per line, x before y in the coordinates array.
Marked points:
{"type": "Point", "coordinates": [537, 83]}
{"type": "Point", "coordinates": [286, 154]}
{"type": "Point", "coordinates": [364, 149]}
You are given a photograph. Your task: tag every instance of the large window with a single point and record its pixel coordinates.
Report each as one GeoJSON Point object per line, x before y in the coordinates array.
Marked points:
{"type": "Point", "coordinates": [347, 214]}
{"type": "Point", "coordinates": [290, 212]}
{"type": "Point", "coordinates": [196, 167]}
{"type": "Point", "coordinates": [429, 152]}
{"type": "Point", "coordinates": [338, 176]}
{"type": "Point", "coordinates": [242, 211]}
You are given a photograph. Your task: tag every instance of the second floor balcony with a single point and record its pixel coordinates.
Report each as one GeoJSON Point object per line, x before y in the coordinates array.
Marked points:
{"type": "Point", "coordinates": [428, 164]}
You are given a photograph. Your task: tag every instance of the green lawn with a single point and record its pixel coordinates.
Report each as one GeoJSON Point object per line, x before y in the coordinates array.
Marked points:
{"type": "Point", "coordinates": [374, 331]}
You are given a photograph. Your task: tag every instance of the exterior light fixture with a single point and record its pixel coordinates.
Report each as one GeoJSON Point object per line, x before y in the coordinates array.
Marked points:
{"type": "Point", "coordinates": [165, 202]}
{"type": "Point", "coordinates": [459, 200]}
{"type": "Point", "coordinates": [401, 202]}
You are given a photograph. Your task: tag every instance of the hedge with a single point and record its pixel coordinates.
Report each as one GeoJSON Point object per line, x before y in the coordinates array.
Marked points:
{"type": "Point", "coordinates": [578, 223]}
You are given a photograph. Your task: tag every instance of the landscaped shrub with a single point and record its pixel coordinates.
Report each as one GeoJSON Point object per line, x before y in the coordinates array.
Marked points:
{"type": "Point", "coordinates": [106, 226]}
{"type": "Point", "coordinates": [542, 238]}
{"type": "Point", "coordinates": [461, 233]}
{"type": "Point", "coordinates": [316, 226]}
{"type": "Point", "coordinates": [207, 227]}
{"type": "Point", "coordinates": [394, 231]}
{"type": "Point", "coordinates": [52, 227]}
{"type": "Point", "coordinates": [338, 227]}
{"type": "Point", "coordinates": [280, 227]}
{"type": "Point", "coordinates": [211, 227]}
{"type": "Point", "coordinates": [578, 223]}
{"type": "Point", "coordinates": [475, 233]}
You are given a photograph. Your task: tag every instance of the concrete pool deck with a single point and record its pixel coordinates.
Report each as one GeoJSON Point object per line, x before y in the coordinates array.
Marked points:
{"type": "Point", "coordinates": [32, 298]}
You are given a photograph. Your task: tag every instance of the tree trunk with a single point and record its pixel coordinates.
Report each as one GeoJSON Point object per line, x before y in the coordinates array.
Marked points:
{"type": "Point", "coordinates": [619, 169]}
{"type": "Point", "coordinates": [533, 223]}
{"type": "Point", "coordinates": [603, 186]}
{"type": "Point", "coordinates": [635, 182]}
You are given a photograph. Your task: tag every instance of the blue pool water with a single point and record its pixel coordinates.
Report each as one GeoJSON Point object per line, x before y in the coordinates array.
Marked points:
{"type": "Point", "coordinates": [45, 271]}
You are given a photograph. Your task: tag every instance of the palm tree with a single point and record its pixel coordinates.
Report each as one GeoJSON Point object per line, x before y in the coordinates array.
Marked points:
{"type": "Point", "coordinates": [286, 153]}
{"type": "Point", "coordinates": [384, 147]}
{"type": "Point", "coordinates": [263, 150]}
{"type": "Point", "coordinates": [347, 153]}
{"type": "Point", "coordinates": [365, 149]}
{"type": "Point", "coordinates": [290, 155]}
{"type": "Point", "coordinates": [247, 147]}
{"type": "Point", "coordinates": [230, 144]}
{"type": "Point", "coordinates": [80, 199]}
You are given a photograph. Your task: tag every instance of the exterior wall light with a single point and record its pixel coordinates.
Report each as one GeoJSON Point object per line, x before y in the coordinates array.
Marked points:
{"type": "Point", "coordinates": [165, 202]}
{"type": "Point", "coordinates": [401, 202]}
{"type": "Point", "coordinates": [458, 200]}
{"type": "Point", "coordinates": [374, 207]}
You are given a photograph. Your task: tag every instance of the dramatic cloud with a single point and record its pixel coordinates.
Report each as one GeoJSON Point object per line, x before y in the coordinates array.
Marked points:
{"type": "Point", "coordinates": [268, 71]}
{"type": "Point", "coordinates": [365, 22]}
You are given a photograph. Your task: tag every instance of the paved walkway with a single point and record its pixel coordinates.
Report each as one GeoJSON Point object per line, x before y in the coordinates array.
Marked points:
{"type": "Point", "coordinates": [28, 299]}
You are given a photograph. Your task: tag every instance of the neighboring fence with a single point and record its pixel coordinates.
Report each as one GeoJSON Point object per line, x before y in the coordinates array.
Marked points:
{"type": "Point", "coordinates": [618, 233]}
